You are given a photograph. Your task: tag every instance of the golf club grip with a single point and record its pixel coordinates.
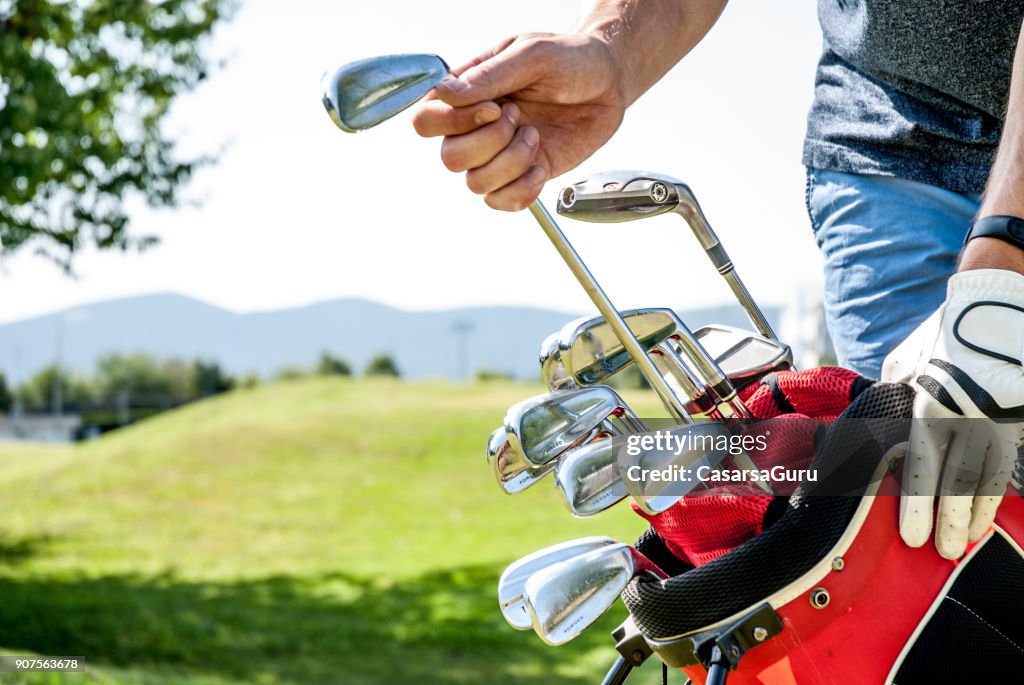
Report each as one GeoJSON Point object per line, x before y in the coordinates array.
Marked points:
{"type": "Point", "coordinates": [604, 305]}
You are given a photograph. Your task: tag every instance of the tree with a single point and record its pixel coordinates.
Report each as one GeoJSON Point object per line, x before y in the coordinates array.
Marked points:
{"type": "Point", "coordinates": [84, 89]}
{"type": "Point", "coordinates": [5, 395]}
{"type": "Point", "coordinates": [383, 365]}
{"type": "Point", "coordinates": [329, 365]}
{"type": "Point", "coordinates": [209, 379]}
{"type": "Point", "coordinates": [136, 374]}
{"type": "Point", "coordinates": [38, 392]}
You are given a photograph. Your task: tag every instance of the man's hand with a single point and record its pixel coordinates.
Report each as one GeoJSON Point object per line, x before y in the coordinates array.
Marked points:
{"type": "Point", "coordinates": [965, 362]}
{"type": "Point", "coordinates": [539, 104]}
{"type": "Point", "coordinates": [529, 110]}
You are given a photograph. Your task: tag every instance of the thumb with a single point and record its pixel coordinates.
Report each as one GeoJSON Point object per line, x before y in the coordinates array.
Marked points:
{"type": "Point", "coordinates": [500, 74]}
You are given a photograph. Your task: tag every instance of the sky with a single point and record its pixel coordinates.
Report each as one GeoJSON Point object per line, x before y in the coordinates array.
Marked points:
{"type": "Point", "coordinates": [297, 212]}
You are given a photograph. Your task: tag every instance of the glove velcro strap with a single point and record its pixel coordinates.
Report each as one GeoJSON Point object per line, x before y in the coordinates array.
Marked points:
{"type": "Point", "coordinates": [985, 403]}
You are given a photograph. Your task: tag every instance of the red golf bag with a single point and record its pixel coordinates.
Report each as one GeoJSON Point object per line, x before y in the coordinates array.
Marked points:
{"type": "Point", "coordinates": [815, 589]}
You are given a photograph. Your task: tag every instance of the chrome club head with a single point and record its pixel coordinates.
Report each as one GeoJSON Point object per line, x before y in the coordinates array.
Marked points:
{"type": "Point", "coordinates": [743, 355]}
{"type": "Point", "coordinates": [362, 94]}
{"type": "Point", "coordinates": [552, 371]}
{"type": "Point", "coordinates": [616, 196]}
{"type": "Point", "coordinates": [515, 473]}
{"type": "Point", "coordinates": [565, 599]}
{"type": "Point", "coordinates": [513, 580]}
{"type": "Point", "coordinates": [543, 427]}
{"type": "Point", "coordinates": [591, 352]}
{"type": "Point", "coordinates": [588, 479]}
{"type": "Point", "coordinates": [590, 348]}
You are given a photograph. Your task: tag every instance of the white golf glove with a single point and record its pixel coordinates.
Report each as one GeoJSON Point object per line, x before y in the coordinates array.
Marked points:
{"type": "Point", "coordinates": [965, 362]}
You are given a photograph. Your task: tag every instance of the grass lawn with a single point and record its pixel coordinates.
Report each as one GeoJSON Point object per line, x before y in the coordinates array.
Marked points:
{"type": "Point", "coordinates": [316, 531]}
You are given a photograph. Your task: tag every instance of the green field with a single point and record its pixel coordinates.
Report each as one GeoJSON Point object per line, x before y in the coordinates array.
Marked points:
{"type": "Point", "coordinates": [316, 531]}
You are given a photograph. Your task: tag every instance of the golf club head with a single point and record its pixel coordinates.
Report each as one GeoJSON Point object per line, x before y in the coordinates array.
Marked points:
{"type": "Point", "coordinates": [590, 349]}
{"type": "Point", "coordinates": [543, 427]}
{"type": "Point", "coordinates": [617, 196]}
{"type": "Point", "coordinates": [515, 473]}
{"type": "Point", "coordinates": [566, 598]}
{"type": "Point", "coordinates": [703, 445]}
{"type": "Point", "coordinates": [588, 479]}
{"type": "Point", "coordinates": [513, 580]}
{"type": "Point", "coordinates": [362, 94]}
{"type": "Point", "coordinates": [552, 371]}
{"type": "Point", "coordinates": [591, 352]}
{"type": "Point", "coordinates": [743, 355]}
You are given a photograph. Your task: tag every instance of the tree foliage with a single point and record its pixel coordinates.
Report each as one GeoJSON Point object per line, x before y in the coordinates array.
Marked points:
{"type": "Point", "coordinates": [5, 395]}
{"type": "Point", "coordinates": [39, 392]}
{"type": "Point", "coordinates": [329, 365]}
{"type": "Point", "coordinates": [84, 87]}
{"type": "Point", "coordinates": [383, 365]}
{"type": "Point", "coordinates": [209, 379]}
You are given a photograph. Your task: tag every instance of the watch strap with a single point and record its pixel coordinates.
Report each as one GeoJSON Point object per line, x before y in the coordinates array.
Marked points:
{"type": "Point", "coordinates": [1009, 229]}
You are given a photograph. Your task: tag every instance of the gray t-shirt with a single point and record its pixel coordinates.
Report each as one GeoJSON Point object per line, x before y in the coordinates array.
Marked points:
{"type": "Point", "coordinates": [913, 88]}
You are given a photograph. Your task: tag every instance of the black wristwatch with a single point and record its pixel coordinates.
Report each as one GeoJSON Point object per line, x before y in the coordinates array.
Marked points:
{"type": "Point", "coordinates": [1009, 229]}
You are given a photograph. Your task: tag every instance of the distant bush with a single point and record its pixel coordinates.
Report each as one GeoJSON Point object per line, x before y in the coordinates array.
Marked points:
{"type": "Point", "coordinates": [248, 381]}
{"type": "Point", "coordinates": [5, 395]}
{"type": "Point", "coordinates": [329, 365]}
{"type": "Point", "coordinates": [209, 379]}
{"type": "Point", "coordinates": [290, 373]}
{"type": "Point", "coordinates": [492, 375]}
{"type": "Point", "coordinates": [383, 365]}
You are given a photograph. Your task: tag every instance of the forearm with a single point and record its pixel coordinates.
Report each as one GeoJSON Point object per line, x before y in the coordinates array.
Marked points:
{"type": "Point", "coordinates": [648, 37]}
{"type": "Point", "coordinates": [1004, 194]}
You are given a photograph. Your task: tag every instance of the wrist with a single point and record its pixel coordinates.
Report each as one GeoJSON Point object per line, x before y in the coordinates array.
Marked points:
{"type": "Point", "coordinates": [605, 35]}
{"type": "Point", "coordinates": [991, 253]}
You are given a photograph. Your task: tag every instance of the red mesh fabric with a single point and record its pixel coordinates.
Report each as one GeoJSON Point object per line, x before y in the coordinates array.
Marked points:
{"type": "Point", "coordinates": [708, 523]}
{"type": "Point", "coordinates": [821, 393]}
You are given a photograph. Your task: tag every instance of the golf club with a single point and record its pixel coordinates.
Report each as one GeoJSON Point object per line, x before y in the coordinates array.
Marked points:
{"type": "Point", "coordinates": [616, 196]}
{"type": "Point", "coordinates": [545, 426]}
{"type": "Point", "coordinates": [552, 371]}
{"type": "Point", "coordinates": [514, 472]}
{"type": "Point", "coordinates": [362, 94]}
{"type": "Point", "coordinates": [590, 347]}
{"type": "Point", "coordinates": [588, 478]}
{"type": "Point", "coordinates": [564, 599]}
{"type": "Point", "coordinates": [513, 580]}
{"type": "Point", "coordinates": [744, 356]}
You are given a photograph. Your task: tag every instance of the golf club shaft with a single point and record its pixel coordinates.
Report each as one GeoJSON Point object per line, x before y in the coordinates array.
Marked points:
{"type": "Point", "coordinates": [691, 212]}
{"type": "Point", "coordinates": [754, 312]}
{"type": "Point", "coordinates": [608, 311]}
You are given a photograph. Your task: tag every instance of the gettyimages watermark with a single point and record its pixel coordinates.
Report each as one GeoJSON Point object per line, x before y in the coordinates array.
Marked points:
{"type": "Point", "coordinates": [811, 457]}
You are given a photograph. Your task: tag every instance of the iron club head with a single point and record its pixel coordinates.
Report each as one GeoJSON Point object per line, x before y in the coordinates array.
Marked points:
{"type": "Point", "coordinates": [513, 580]}
{"type": "Point", "coordinates": [543, 427]}
{"type": "Point", "coordinates": [566, 598]}
{"type": "Point", "coordinates": [588, 479]}
{"type": "Point", "coordinates": [362, 94]}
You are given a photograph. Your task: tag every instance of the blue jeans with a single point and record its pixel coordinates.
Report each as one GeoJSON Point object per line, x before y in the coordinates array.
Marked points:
{"type": "Point", "coordinates": [889, 245]}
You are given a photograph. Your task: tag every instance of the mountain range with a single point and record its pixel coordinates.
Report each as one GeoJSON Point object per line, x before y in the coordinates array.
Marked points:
{"type": "Point", "coordinates": [424, 343]}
